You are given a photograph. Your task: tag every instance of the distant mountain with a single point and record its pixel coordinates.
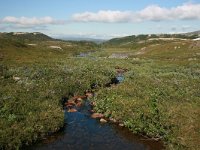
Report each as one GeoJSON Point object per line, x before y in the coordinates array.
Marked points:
{"type": "Point", "coordinates": [193, 33]}
{"type": "Point", "coordinates": [25, 36]}
{"type": "Point", "coordinates": [38, 43]}
{"type": "Point", "coordinates": [98, 41]}
{"type": "Point", "coordinates": [130, 40]}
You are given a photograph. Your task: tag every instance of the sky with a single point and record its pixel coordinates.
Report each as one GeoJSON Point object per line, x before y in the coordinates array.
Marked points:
{"type": "Point", "coordinates": [102, 19]}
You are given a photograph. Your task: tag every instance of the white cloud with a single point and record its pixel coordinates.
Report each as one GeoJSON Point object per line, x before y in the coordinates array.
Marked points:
{"type": "Point", "coordinates": [103, 16]}
{"type": "Point", "coordinates": [24, 21]}
{"type": "Point", "coordinates": [150, 13]}
{"type": "Point", "coordinates": [153, 13]}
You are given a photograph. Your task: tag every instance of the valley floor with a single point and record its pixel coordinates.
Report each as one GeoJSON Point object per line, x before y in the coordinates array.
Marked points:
{"type": "Point", "coordinates": [159, 97]}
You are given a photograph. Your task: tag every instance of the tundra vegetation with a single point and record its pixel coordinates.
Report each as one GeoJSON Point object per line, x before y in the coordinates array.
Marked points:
{"type": "Point", "coordinates": [159, 97]}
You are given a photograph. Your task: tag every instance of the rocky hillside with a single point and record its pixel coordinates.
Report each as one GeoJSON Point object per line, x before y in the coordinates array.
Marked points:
{"type": "Point", "coordinates": [128, 40]}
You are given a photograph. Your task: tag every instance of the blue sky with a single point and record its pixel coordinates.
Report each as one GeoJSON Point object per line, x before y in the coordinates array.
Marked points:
{"type": "Point", "coordinates": [99, 18]}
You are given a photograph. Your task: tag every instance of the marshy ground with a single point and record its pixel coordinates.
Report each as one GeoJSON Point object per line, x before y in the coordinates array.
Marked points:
{"type": "Point", "coordinates": [158, 98]}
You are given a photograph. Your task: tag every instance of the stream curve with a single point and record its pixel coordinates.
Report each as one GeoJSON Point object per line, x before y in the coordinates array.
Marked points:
{"type": "Point", "coordinates": [82, 132]}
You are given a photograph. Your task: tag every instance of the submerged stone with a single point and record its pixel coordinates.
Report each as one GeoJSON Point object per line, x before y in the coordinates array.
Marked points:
{"type": "Point", "coordinates": [113, 120]}
{"type": "Point", "coordinates": [103, 120]}
{"type": "Point", "coordinates": [72, 110]}
{"type": "Point", "coordinates": [97, 115]}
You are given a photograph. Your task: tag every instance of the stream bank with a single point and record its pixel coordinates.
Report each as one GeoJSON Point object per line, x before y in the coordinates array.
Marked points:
{"type": "Point", "coordinates": [81, 131]}
{"type": "Point", "coordinates": [85, 129]}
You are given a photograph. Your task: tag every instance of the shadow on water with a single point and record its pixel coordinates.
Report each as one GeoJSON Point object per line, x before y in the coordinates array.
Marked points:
{"type": "Point", "coordinates": [81, 132]}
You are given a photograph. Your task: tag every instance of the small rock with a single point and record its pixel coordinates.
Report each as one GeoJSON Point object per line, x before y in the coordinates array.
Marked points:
{"type": "Point", "coordinates": [32, 44]}
{"type": "Point", "coordinates": [89, 95]}
{"type": "Point", "coordinates": [103, 120]}
{"type": "Point", "coordinates": [16, 78]}
{"type": "Point", "coordinates": [72, 110]}
{"type": "Point", "coordinates": [55, 47]}
{"type": "Point", "coordinates": [78, 104]}
{"type": "Point", "coordinates": [92, 111]}
{"type": "Point", "coordinates": [121, 125]}
{"type": "Point", "coordinates": [113, 120]}
{"type": "Point", "coordinates": [92, 103]}
{"type": "Point", "coordinates": [96, 115]}
{"type": "Point", "coordinates": [79, 99]}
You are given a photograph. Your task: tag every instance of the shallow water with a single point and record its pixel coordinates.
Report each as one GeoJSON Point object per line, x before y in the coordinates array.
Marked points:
{"type": "Point", "coordinates": [81, 132]}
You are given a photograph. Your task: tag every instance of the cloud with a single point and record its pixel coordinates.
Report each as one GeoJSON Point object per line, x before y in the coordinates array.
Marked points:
{"type": "Point", "coordinates": [186, 11]}
{"type": "Point", "coordinates": [13, 27]}
{"type": "Point", "coordinates": [103, 16]}
{"type": "Point", "coordinates": [26, 22]}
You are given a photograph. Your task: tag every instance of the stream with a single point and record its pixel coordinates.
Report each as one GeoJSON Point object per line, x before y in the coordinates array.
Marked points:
{"type": "Point", "coordinates": [82, 132]}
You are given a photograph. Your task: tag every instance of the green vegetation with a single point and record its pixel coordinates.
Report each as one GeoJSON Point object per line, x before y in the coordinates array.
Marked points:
{"type": "Point", "coordinates": [142, 38]}
{"type": "Point", "coordinates": [159, 97]}
{"type": "Point", "coordinates": [33, 79]}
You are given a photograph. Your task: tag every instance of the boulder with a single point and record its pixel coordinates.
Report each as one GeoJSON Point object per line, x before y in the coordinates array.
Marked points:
{"type": "Point", "coordinates": [97, 115]}
{"type": "Point", "coordinates": [72, 110]}
{"type": "Point", "coordinates": [113, 120]}
{"type": "Point", "coordinates": [121, 124]}
{"type": "Point", "coordinates": [103, 120]}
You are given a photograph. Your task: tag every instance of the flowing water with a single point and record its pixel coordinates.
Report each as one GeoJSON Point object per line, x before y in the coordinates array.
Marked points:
{"type": "Point", "coordinates": [81, 132]}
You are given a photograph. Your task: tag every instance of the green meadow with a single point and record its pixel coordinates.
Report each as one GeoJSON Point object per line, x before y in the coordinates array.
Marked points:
{"type": "Point", "coordinates": [159, 98]}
